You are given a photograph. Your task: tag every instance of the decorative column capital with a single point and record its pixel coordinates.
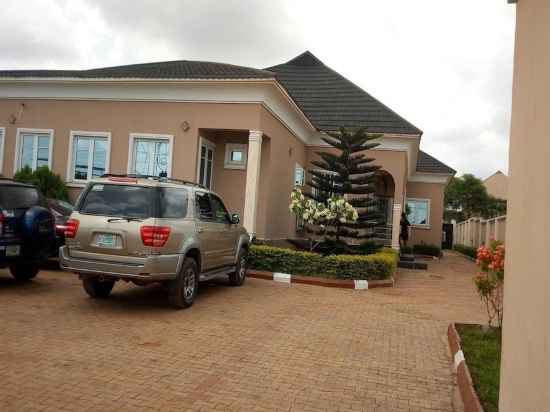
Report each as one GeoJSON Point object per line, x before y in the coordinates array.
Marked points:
{"type": "Point", "coordinates": [255, 135]}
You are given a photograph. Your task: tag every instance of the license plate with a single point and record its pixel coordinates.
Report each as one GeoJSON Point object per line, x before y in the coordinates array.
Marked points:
{"type": "Point", "coordinates": [13, 250]}
{"type": "Point", "coordinates": [105, 240]}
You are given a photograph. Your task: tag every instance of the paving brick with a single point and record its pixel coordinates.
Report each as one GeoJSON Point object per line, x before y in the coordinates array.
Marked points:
{"type": "Point", "coordinates": [264, 346]}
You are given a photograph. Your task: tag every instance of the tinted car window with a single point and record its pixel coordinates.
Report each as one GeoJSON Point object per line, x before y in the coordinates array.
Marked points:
{"type": "Point", "coordinates": [119, 200]}
{"type": "Point", "coordinates": [18, 197]}
{"type": "Point", "coordinates": [219, 210]}
{"type": "Point", "coordinates": [173, 203]}
{"type": "Point", "coordinates": [204, 208]}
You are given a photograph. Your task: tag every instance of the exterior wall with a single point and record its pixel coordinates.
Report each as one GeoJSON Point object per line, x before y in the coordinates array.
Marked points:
{"type": "Point", "coordinates": [121, 119]}
{"type": "Point", "coordinates": [435, 192]}
{"type": "Point", "coordinates": [497, 185]}
{"type": "Point", "coordinates": [282, 152]}
{"type": "Point", "coordinates": [526, 335]}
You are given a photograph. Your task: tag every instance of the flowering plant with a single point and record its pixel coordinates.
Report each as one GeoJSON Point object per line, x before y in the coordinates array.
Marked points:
{"type": "Point", "coordinates": [335, 212]}
{"type": "Point", "coordinates": [490, 279]}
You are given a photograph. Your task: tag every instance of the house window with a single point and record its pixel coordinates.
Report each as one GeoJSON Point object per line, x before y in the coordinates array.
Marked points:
{"type": "Point", "coordinates": [89, 155]}
{"type": "Point", "coordinates": [299, 176]}
{"type": "Point", "coordinates": [419, 212]}
{"type": "Point", "coordinates": [34, 148]}
{"type": "Point", "coordinates": [235, 156]}
{"type": "Point", "coordinates": [150, 155]}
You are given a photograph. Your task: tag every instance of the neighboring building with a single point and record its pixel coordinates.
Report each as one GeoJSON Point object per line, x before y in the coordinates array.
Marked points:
{"type": "Point", "coordinates": [526, 331]}
{"type": "Point", "coordinates": [497, 185]}
{"type": "Point", "coordinates": [248, 134]}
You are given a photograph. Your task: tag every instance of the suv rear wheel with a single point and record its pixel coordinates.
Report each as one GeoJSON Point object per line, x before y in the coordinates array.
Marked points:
{"type": "Point", "coordinates": [24, 271]}
{"type": "Point", "coordinates": [183, 289]}
{"type": "Point", "coordinates": [97, 288]}
{"type": "Point", "coordinates": [237, 278]}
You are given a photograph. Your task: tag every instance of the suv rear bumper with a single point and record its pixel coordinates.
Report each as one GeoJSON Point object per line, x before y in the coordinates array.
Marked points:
{"type": "Point", "coordinates": [154, 268]}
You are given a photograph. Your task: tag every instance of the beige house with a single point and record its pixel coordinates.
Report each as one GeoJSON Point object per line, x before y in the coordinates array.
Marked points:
{"type": "Point", "coordinates": [248, 134]}
{"type": "Point", "coordinates": [497, 185]}
{"type": "Point", "coordinates": [526, 330]}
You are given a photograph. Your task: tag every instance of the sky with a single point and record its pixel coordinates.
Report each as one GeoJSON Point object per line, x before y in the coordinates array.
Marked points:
{"type": "Point", "coordinates": [444, 65]}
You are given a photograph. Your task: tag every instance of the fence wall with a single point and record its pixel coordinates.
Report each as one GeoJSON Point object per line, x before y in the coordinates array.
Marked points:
{"type": "Point", "coordinates": [477, 231]}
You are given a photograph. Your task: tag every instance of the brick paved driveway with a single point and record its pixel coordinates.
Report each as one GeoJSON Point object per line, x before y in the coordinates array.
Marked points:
{"type": "Point", "coordinates": [264, 346]}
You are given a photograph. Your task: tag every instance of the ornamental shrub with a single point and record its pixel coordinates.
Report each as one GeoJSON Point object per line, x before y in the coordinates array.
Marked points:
{"type": "Point", "coordinates": [489, 280]}
{"type": "Point", "coordinates": [381, 265]}
{"type": "Point", "coordinates": [49, 184]}
{"type": "Point", "coordinates": [466, 250]}
{"type": "Point", "coordinates": [429, 250]}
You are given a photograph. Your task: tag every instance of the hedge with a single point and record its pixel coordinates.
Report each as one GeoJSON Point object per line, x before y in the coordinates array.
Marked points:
{"type": "Point", "coordinates": [429, 250]}
{"type": "Point", "coordinates": [378, 266]}
{"type": "Point", "coordinates": [466, 250]}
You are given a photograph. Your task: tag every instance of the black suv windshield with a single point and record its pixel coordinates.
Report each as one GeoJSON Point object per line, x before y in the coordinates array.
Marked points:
{"type": "Point", "coordinates": [18, 197]}
{"type": "Point", "coordinates": [139, 202]}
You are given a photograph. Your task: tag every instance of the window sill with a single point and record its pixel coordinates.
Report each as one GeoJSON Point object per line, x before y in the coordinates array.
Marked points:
{"type": "Point", "coordinates": [76, 184]}
{"type": "Point", "coordinates": [234, 166]}
{"type": "Point", "coordinates": [423, 227]}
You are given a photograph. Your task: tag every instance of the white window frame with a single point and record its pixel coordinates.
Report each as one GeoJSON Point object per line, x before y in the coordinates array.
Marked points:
{"type": "Point", "coordinates": [2, 147]}
{"type": "Point", "coordinates": [230, 147]}
{"type": "Point", "coordinates": [71, 181]}
{"type": "Point", "coordinates": [205, 142]}
{"type": "Point", "coordinates": [428, 211]}
{"type": "Point", "coordinates": [152, 136]}
{"type": "Point", "coordinates": [18, 147]}
{"type": "Point", "coordinates": [296, 167]}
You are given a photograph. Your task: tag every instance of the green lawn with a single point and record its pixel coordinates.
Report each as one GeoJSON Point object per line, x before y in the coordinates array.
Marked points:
{"type": "Point", "coordinates": [482, 352]}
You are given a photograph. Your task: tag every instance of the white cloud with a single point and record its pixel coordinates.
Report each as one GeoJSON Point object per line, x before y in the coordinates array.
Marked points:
{"type": "Point", "coordinates": [444, 65]}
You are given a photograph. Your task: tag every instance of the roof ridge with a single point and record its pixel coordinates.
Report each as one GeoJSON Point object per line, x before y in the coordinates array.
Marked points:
{"type": "Point", "coordinates": [307, 58]}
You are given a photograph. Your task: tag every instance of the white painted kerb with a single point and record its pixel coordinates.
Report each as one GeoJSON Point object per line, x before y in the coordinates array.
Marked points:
{"type": "Point", "coordinates": [281, 277]}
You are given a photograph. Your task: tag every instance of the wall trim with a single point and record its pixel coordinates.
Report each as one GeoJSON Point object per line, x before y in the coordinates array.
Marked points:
{"type": "Point", "coordinates": [439, 178]}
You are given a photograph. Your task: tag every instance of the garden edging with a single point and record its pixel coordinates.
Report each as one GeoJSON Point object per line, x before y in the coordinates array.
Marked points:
{"type": "Point", "coordinates": [468, 394]}
{"type": "Point", "coordinates": [319, 281]}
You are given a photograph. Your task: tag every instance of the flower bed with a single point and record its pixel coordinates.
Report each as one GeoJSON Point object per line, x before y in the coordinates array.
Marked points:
{"type": "Point", "coordinates": [377, 266]}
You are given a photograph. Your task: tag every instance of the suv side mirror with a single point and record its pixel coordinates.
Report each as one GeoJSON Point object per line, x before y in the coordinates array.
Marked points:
{"type": "Point", "coordinates": [235, 219]}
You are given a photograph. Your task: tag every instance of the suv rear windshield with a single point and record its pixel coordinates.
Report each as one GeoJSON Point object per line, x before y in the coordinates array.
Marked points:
{"type": "Point", "coordinates": [18, 197]}
{"type": "Point", "coordinates": [134, 201]}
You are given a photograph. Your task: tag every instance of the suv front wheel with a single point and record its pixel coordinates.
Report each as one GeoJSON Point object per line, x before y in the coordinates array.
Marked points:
{"type": "Point", "coordinates": [97, 288]}
{"type": "Point", "coordinates": [183, 289]}
{"type": "Point", "coordinates": [237, 278]}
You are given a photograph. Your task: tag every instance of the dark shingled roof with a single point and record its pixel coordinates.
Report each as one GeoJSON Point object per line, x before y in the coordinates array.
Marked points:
{"type": "Point", "coordinates": [329, 100]}
{"type": "Point", "coordinates": [178, 69]}
{"type": "Point", "coordinates": [429, 164]}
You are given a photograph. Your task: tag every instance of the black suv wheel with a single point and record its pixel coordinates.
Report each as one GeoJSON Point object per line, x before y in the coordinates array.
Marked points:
{"type": "Point", "coordinates": [183, 290]}
{"type": "Point", "coordinates": [24, 271]}
{"type": "Point", "coordinates": [97, 288]}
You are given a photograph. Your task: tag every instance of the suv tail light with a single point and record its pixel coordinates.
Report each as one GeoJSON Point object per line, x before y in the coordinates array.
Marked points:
{"type": "Point", "coordinates": [154, 235]}
{"type": "Point", "coordinates": [72, 228]}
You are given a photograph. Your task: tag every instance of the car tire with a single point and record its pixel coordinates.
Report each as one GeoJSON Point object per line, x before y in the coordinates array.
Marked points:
{"type": "Point", "coordinates": [238, 277]}
{"type": "Point", "coordinates": [97, 288]}
{"type": "Point", "coordinates": [24, 271]}
{"type": "Point", "coordinates": [183, 289]}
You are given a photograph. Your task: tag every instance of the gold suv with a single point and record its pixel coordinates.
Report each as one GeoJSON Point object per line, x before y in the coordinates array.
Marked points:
{"type": "Point", "coordinates": [147, 229]}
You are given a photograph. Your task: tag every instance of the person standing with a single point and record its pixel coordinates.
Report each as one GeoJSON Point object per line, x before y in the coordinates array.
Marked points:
{"type": "Point", "coordinates": [404, 230]}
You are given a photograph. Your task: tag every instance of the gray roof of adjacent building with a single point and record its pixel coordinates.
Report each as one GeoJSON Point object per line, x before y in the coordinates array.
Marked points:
{"type": "Point", "coordinates": [429, 164]}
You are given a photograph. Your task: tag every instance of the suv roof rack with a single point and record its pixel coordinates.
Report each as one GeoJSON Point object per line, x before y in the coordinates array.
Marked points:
{"type": "Point", "coordinates": [157, 178]}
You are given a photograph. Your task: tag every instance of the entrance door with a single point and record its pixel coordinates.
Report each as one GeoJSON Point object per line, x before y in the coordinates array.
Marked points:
{"type": "Point", "coordinates": [206, 163]}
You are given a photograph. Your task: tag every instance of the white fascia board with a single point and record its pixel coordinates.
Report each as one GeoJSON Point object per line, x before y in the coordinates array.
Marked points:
{"type": "Point", "coordinates": [440, 178]}
{"type": "Point", "coordinates": [408, 143]}
{"type": "Point", "coordinates": [266, 92]}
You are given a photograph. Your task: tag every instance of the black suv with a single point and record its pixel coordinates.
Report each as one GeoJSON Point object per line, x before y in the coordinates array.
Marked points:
{"type": "Point", "coordinates": [27, 229]}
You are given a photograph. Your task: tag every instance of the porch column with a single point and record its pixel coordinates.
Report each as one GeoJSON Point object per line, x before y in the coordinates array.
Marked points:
{"type": "Point", "coordinates": [396, 227]}
{"type": "Point", "coordinates": [252, 180]}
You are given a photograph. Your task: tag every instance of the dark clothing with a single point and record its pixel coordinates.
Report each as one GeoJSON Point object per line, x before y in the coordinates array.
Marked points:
{"type": "Point", "coordinates": [404, 234]}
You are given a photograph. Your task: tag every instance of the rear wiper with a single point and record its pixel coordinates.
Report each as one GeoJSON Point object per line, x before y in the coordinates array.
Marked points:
{"type": "Point", "coordinates": [128, 219]}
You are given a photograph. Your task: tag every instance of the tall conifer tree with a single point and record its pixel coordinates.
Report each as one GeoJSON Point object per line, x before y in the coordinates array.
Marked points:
{"type": "Point", "coordinates": [348, 172]}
